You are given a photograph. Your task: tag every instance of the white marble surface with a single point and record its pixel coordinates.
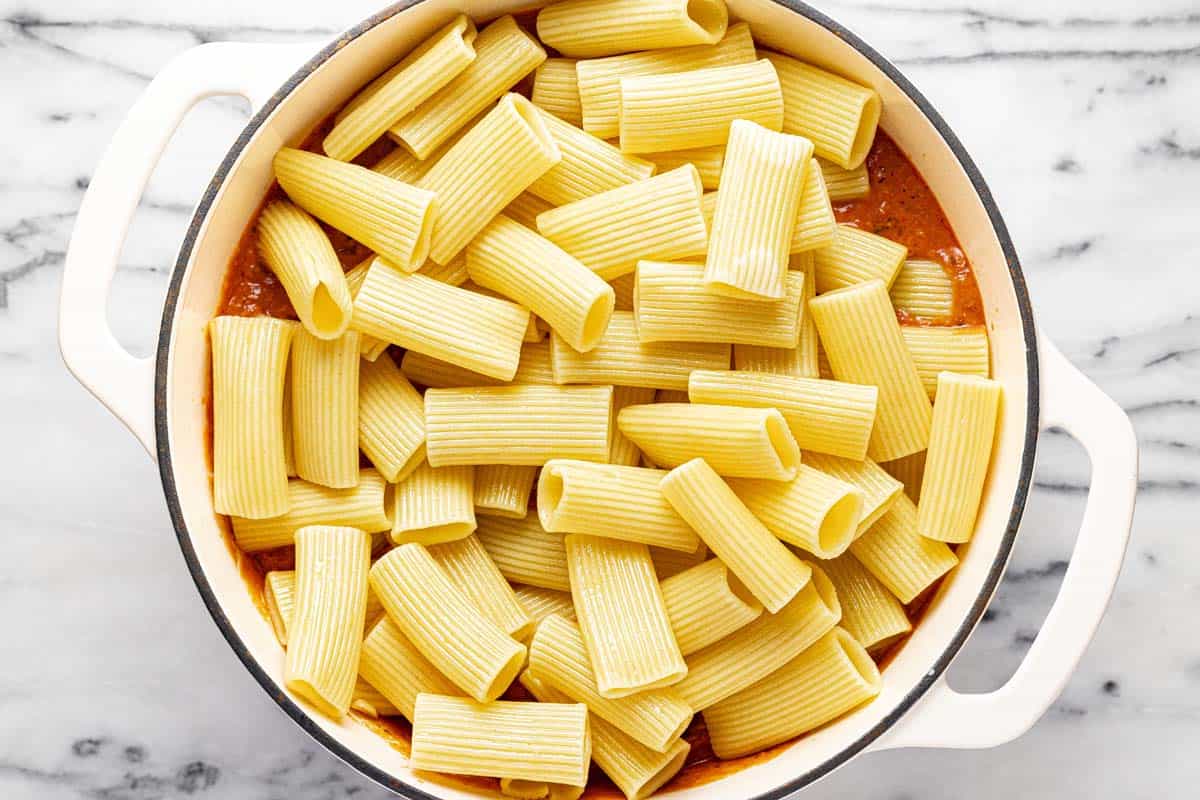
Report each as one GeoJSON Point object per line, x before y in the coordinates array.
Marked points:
{"type": "Point", "coordinates": [1083, 116]}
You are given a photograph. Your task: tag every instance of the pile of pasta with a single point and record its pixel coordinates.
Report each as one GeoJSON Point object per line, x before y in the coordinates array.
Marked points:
{"type": "Point", "coordinates": [741, 477]}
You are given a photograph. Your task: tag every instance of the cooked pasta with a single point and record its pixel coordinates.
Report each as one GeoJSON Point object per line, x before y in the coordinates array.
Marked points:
{"type": "Point", "coordinates": [799, 361]}
{"type": "Point", "coordinates": [503, 489]}
{"type": "Point", "coordinates": [760, 561]}
{"type": "Point", "coordinates": [622, 502]}
{"type": "Point", "coordinates": [325, 634]}
{"type": "Point", "coordinates": [621, 450]}
{"type": "Point", "coordinates": [637, 770]}
{"type": "Point", "coordinates": [471, 569]}
{"type": "Point", "coordinates": [405, 86]}
{"type": "Point", "coordinates": [857, 256]}
{"type": "Point", "coordinates": [903, 560]}
{"type": "Point", "coordinates": [360, 506]}
{"type": "Point", "coordinates": [824, 416]}
{"type": "Point", "coordinates": [483, 334]}
{"type": "Point", "coordinates": [708, 161]}
{"type": "Point", "coordinates": [391, 419]}
{"type": "Point", "coordinates": [391, 218]}
{"type": "Point", "coordinates": [827, 680]}
{"type": "Point", "coordinates": [600, 78]}
{"type": "Point", "coordinates": [734, 441]}
{"type": "Point", "coordinates": [592, 28]}
{"type": "Point", "coordinates": [556, 89]}
{"type": "Point", "coordinates": [621, 358]}
{"type": "Point", "coordinates": [532, 741]}
{"type": "Point", "coordinates": [487, 169]}
{"type": "Point", "coordinates": [960, 447]}
{"type": "Point", "coordinates": [589, 165]}
{"type": "Point", "coordinates": [279, 595]}
{"type": "Point", "coordinates": [923, 289]}
{"type": "Point", "coordinates": [814, 511]}
{"type": "Point", "coordinates": [434, 504]}
{"type": "Point", "coordinates": [962, 350]}
{"type": "Point", "coordinates": [755, 217]}
{"type": "Point", "coordinates": [299, 253]}
{"type": "Point", "coordinates": [517, 424]}
{"type": "Point", "coordinates": [558, 656]}
{"type": "Point", "coordinates": [531, 270]}
{"type": "Point", "coordinates": [621, 615]}
{"type": "Point", "coordinates": [705, 604]}
{"type": "Point", "coordinates": [503, 55]}
{"type": "Point", "coordinates": [392, 664]}
{"type": "Point", "coordinates": [839, 116]}
{"type": "Point", "coordinates": [842, 183]}
{"type": "Point", "coordinates": [815, 227]}
{"type": "Point", "coordinates": [654, 218]}
{"type": "Point", "coordinates": [370, 347]}
{"type": "Point", "coordinates": [249, 365]}
{"type": "Point", "coordinates": [325, 408]}
{"type": "Point", "coordinates": [761, 647]}
{"type": "Point", "coordinates": [870, 613]}
{"type": "Point", "coordinates": [524, 552]}
{"type": "Point", "coordinates": [443, 623]}
{"type": "Point", "coordinates": [540, 603]}
{"type": "Point", "coordinates": [403, 165]}
{"type": "Point", "coordinates": [676, 304]}
{"type": "Point", "coordinates": [696, 108]}
{"type": "Point", "coordinates": [879, 490]}
{"type": "Point", "coordinates": [863, 341]}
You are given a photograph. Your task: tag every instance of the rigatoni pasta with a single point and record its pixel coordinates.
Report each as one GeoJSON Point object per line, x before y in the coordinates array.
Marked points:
{"type": "Point", "coordinates": [591, 28]}
{"type": "Point", "coordinates": [903, 560]}
{"type": "Point", "coordinates": [845, 184]}
{"type": "Point", "coordinates": [857, 256]}
{"type": "Point", "coordinates": [870, 613]}
{"type": "Point", "coordinates": [503, 489]}
{"type": "Point", "coordinates": [814, 511]}
{"type": "Point", "coordinates": [279, 595]}
{"type": "Point", "coordinates": [588, 166]}
{"type": "Point", "coordinates": [391, 419]}
{"type": "Point", "coordinates": [325, 408]}
{"type": "Point", "coordinates": [540, 603]}
{"type": "Point", "coordinates": [525, 552]}
{"type": "Point", "coordinates": [621, 450]}
{"type": "Point", "coordinates": [434, 504]}
{"type": "Point", "coordinates": [705, 604]}
{"type": "Point", "coordinates": [816, 226]}
{"type": "Point", "coordinates": [470, 568]}
{"type": "Point", "coordinates": [299, 253]}
{"type": "Point", "coordinates": [392, 664]}
{"type": "Point", "coordinates": [923, 289]}
{"type": "Point", "coordinates": [799, 361]}
{"type": "Point", "coordinates": [962, 350]}
{"type": "Point", "coordinates": [556, 90]}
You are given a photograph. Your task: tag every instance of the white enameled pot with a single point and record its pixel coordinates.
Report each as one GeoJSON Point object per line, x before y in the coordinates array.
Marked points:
{"type": "Point", "coordinates": [162, 399]}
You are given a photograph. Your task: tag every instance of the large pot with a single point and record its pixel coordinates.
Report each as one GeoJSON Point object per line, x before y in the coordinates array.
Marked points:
{"type": "Point", "coordinates": [163, 399]}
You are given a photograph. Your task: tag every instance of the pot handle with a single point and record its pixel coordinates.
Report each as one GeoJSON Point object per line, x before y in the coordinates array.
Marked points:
{"type": "Point", "coordinates": [122, 382]}
{"type": "Point", "coordinates": [946, 718]}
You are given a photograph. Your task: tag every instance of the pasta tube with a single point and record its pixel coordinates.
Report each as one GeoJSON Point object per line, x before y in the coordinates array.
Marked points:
{"type": "Point", "coordinates": [517, 424]}
{"type": "Point", "coordinates": [434, 504]}
{"type": "Point", "coordinates": [960, 447]}
{"type": "Point", "coordinates": [842, 183]}
{"type": "Point", "coordinates": [755, 216]}
{"type": "Point", "coordinates": [824, 416]}
{"type": "Point", "coordinates": [444, 625]}
{"type": "Point", "coordinates": [870, 613]}
{"type": "Point", "coordinates": [863, 341]}
{"type": "Point", "coordinates": [503, 55]}
{"type": "Point", "coordinates": [531, 741]}
{"type": "Point", "coordinates": [621, 615]}
{"type": "Point", "coordinates": [589, 165]}
{"type": "Point", "coordinates": [708, 161]}
{"type": "Point", "coordinates": [622, 451]}
{"type": "Point", "coordinates": [249, 365]}
{"type": "Point", "coordinates": [392, 664]}
{"type": "Point", "coordinates": [923, 289]}
{"type": "Point", "coordinates": [816, 225]}
{"type": "Point", "coordinates": [558, 657]}
{"type": "Point", "coordinates": [705, 604]}
{"type": "Point", "coordinates": [299, 253]}
{"type": "Point", "coordinates": [325, 635]}
{"type": "Point", "coordinates": [493, 163]}
{"type": "Point", "coordinates": [903, 560]}
{"type": "Point", "coordinates": [592, 28]}
{"type": "Point", "coordinates": [525, 553]}
{"type": "Point", "coordinates": [405, 86]}
{"type": "Point", "coordinates": [518, 263]}
{"type": "Point", "coordinates": [503, 489]}
{"type": "Point", "coordinates": [472, 570]}
{"type": "Point", "coordinates": [540, 603]}
{"type": "Point", "coordinates": [768, 569]}
{"type": "Point", "coordinates": [621, 358]}
{"type": "Point", "coordinates": [829, 679]}
{"type": "Point", "coordinates": [756, 650]}
{"type": "Point", "coordinates": [556, 89]}
{"type": "Point", "coordinates": [962, 350]}
{"type": "Point", "coordinates": [609, 500]}
{"type": "Point", "coordinates": [391, 218]}
{"type": "Point", "coordinates": [325, 408]}
{"type": "Point", "coordinates": [856, 256]}
{"type": "Point", "coordinates": [370, 347]}
{"type": "Point", "coordinates": [279, 596]}
{"type": "Point", "coordinates": [815, 512]}
{"type": "Point", "coordinates": [799, 361]}
{"type": "Point", "coordinates": [676, 304]}
{"type": "Point", "coordinates": [695, 109]}
{"type": "Point", "coordinates": [600, 78]}
{"type": "Point", "coordinates": [739, 442]}
{"type": "Point", "coordinates": [839, 116]}
{"type": "Point", "coordinates": [878, 489]}
{"type": "Point", "coordinates": [483, 334]}
{"type": "Point", "coordinates": [391, 419]}
{"type": "Point", "coordinates": [655, 218]}
{"type": "Point", "coordinates": [360, 506]}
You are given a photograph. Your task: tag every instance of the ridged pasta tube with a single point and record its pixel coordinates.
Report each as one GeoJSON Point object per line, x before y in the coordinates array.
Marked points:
{"type": "Point", "coordinates": [622, 451]}
{"type": "Point", "coordinates": [879, 489]}
{"type": "Point", "coordinates": [816, 226]}
{"type": "Point", "coordinates": [870, 613]}
{"type": "Point", "coordinates": [588, 166]}
{"type": "Point", "coordinates": [525, 552]}
{"type": "Point", "coordinates": [325, 408]}
{"type": "Point", "coordinates": [816, 512]}
{"type": "Point", "coordinates": [434, 504]}
{"type": "Point", "coordinates": [705, 604]}
{"type": "Point", "coordinates": [708, 161]}
{"type": "Point", "coordinates": [432, 373]}
{"type": "Point", "coordinates": [923, 289]}
{"type": "Point", "coordinates": [540, 603]}
{"type": "Point", "coordinates": [844, 184]}
{"type": "Point", "coordinates": [471, 569]}
{"type": "Point", "coordinates": [392, 664]}
{"type": "Point", "coordinates": [799, 361]}
{"type": "Point", "coordinates": [593, 28]}
{"type": "Point", "coordinates": [962, 350]}
{"type": "Point", "coordinates": [856, 256]}
{"type": "Point", "coordinates": [556, 90]}
{"type": "Point", "coordinates": [391, 419]}
{"type": "Point", "coordinates": [503, 489]}
{"type": "Point", "coordinates": [360, 506]}
{"type": "Point", "coordinates": [903, 560]}
{"type": "Point", "coordinates": [910, 471]}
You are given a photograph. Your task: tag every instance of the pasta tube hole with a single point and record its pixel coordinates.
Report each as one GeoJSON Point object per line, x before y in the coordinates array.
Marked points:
{"type": "Point", "coordinates": [739, 590]}
{"type": "Point", "coordinates": [711, 15]}
{"type": "Point", "coordinates": [549, 494]}
{"type": "Point", "coordinates": [865, 135]}
{"type": "Point", "coordinates": [861, 662]}
{"type": "Point", "coordinates": [505, 676]}
{"type": "Point", "coordinates": [783, 443]}
{"type": "Point", "coordinates": [328, 317]}
{"type": "Point", "coordinates": [839, 526]}
{"type": "Point", "coordinates": [595, 323]}
{"type": "Point", "coordinates": [827, 592]}
{"type": "Point", "coordinates": [656, 781]}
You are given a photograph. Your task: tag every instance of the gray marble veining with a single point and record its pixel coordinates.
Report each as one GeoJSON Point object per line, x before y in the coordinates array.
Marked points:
{"type": "Point", "coordinates": [1082, 114]}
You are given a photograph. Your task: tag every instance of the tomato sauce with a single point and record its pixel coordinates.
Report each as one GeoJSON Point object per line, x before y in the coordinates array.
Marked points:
{"type": "Point", "coordinates": [899, 206]}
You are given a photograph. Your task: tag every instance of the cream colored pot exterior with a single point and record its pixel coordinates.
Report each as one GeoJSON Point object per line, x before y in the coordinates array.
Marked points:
{"type": "Point", "coordinates": [162, 400]}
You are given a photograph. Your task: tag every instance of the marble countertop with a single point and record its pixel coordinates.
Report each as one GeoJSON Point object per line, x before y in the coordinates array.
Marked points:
{"type": "Point", "coordinates": [1082, 115]}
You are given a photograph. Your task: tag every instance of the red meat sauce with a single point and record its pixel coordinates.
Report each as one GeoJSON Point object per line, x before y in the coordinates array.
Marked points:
{"type": "Point", "coordinates": [900, 206]}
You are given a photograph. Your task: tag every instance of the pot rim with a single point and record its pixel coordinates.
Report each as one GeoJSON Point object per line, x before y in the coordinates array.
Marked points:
{"type": "Point", "coordinates": [299, 715]}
